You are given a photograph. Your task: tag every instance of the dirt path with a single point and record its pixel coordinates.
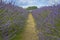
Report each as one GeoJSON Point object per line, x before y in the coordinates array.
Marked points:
{"type": "Point", "coordinates": [30, 32]}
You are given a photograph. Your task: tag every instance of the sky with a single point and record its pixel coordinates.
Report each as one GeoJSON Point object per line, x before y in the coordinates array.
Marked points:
{"type": "Point", "coordinates": [38, 3]}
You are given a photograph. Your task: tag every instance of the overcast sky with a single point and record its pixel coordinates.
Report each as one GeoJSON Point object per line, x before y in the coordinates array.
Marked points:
{"type": "Point", "coordinates": [38, 3]}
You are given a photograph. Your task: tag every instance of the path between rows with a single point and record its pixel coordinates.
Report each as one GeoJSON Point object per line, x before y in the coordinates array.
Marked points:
{"type": "Point", "coordinates": [30, 32]}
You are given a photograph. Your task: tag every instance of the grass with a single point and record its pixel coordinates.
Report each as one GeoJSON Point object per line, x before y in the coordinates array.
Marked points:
{"type": "Point", "coordinates": [18, 29]}
{"type": "Point", "coordinates": [18, 35]}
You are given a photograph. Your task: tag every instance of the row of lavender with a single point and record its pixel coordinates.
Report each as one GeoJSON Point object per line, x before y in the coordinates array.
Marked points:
{"type": "Point", "coordinates": [48, 22]}
{"type": "Point", "coordinates": [12, 20]}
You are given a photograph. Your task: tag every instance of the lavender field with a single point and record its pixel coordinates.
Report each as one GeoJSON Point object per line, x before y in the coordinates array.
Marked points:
{"type": "Point", "coordinates": [17, 23]}
{"type": "Point", "coordinates": [48, 22]}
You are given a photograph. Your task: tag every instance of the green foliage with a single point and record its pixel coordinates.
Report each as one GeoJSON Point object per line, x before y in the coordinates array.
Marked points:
{"type": "Point", "coordinates": [55, 32]}
{"type": "Point", "coordinates": [31, 8]}
{"type": "Point", "coordinates": [2, 11]}
{"type": "Point", "coordinates": [57, 24]}
{"type": "Point", "coordinates": [44, 14]}
{"type": "Point", "coordinates": [19, 29]}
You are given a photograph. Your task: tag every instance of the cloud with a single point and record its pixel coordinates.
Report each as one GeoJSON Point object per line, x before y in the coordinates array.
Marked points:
{"type": "Point", "coordinates": [51, 2]}
{"type": "Point", "coordinates": [29, 2]}
{"type": "Point", "coordinates": [38, 3]}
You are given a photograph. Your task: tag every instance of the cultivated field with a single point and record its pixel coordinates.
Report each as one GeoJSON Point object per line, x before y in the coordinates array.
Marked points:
{"type": "Point", "coordinates": [17, 23]}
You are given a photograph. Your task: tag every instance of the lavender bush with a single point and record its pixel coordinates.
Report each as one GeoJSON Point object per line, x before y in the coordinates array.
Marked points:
{"type": "Point", "coordinates": [48, 22]}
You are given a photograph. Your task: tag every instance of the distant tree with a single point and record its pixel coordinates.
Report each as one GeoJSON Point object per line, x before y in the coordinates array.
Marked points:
{"type": "Point", "coordinates": [31, 8]}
